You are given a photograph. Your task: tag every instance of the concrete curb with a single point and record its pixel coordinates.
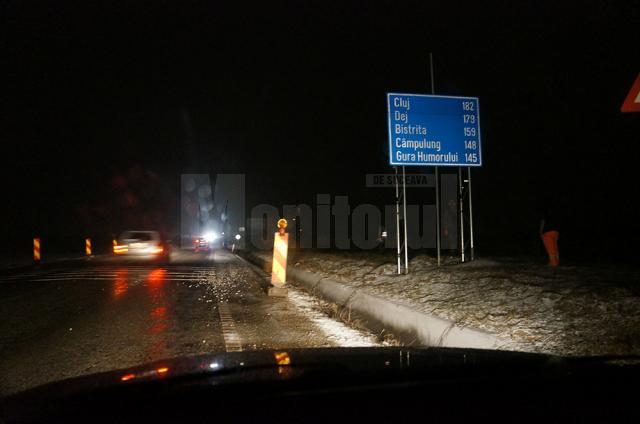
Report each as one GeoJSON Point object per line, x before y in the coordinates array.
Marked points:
{"type": "Point", "coordinates": [382, 315]}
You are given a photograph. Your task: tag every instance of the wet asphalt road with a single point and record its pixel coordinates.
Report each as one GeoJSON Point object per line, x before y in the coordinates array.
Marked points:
{"type": "Point", "coordinates": [105, 314]}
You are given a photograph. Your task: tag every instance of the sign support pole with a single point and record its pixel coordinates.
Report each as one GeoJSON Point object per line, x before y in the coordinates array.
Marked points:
{"type": "Point", "coordinates": [398, 220]}
{"type": "Point", "coordinates": [461, 203]}
{"type": "Point", "coordinates": [438, 247]}
{"type": "Point", "coordinates": [470, 214]}
{"type": "Point", "coordinates": [436, 173]}
{"type": "Point", "coordinates": [461, 134]}
{"type": "Point", "coordinates": [404, 213]}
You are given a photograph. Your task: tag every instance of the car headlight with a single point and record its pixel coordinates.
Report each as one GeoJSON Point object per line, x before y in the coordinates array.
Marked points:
{"type": "Point", "coordinates": [211, 236]}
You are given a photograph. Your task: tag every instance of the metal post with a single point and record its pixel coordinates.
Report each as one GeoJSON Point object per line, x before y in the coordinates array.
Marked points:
{"type": "Point", "coordinates": [397, 220]}
{"type": "Point", "coordinates": [461, 201]}
{"type": "Point", "coordinates": [404, 213]}
{"type": "Point", "coordinates": [438, 246]}
{"type": "Point", "coordinates": [438, 230]}
{"type": "Point", "coordinates": [470, 214]}
{"type": "Point", "coordinates": [433, 90]}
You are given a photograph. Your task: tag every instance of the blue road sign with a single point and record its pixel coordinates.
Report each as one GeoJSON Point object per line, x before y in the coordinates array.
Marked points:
{"type": "Point", "coordinates": [427, 130]}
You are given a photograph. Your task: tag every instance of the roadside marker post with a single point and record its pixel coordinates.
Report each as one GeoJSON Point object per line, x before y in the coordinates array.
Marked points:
{"type": "Point", "coordinates": [36, 249]}
{"type": "Point", "coordinates": [237, 238]}
{"type": "Point", "coordinates": [87, 246]}
{"type": "Point", "coordinates": [279, 267]}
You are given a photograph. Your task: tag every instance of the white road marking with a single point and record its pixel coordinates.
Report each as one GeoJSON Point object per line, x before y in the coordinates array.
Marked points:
{"type": "Point", "coordinates": [35, 274]}
{"type": "Point", "coordinates": [232, 340]}
{"type": "Point", "coordinates": [107, 279]}
{"type": "Point", "coordinates": [182, 273]}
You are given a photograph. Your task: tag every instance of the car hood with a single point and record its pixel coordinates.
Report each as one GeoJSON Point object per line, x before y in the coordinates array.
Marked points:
{"type": "Point", "coordinates": [316, 366]}
{"type": "Point", "coordinates": [356, 360]}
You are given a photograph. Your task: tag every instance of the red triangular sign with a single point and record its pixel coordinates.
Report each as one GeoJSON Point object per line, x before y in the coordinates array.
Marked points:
{"type": "Point", "coordinates": [632, 102]}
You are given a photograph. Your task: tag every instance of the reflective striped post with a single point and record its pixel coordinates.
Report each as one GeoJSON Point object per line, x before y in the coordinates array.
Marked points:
{"type": "Point", "coordinates": [87, 246]}
{"type": "Point", "coordinates": [36, 249]}
{"type": "Point", "coordinates": [279, 267]}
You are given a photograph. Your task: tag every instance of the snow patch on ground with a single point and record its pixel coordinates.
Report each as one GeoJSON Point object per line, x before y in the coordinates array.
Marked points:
{"type": "Point", "coordinates": [336, 331]}
{"type": "Point", "coordinates": [570, 310]}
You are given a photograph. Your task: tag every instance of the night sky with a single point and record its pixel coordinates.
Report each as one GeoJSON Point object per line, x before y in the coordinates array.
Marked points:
{"type": "Point", "coordinates": [103, 107]}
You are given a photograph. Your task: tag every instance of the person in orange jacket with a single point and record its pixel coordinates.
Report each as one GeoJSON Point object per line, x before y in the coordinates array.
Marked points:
{"type": "Point", "coordinates": [550, 233]}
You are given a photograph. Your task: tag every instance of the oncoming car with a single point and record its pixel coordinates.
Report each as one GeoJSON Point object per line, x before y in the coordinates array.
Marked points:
{"type": "Point", "coordinates": [201, 244]}
{"type": "Point", "coordinates": [149, 245]}
{"type": "Point", "coordinates": [207, 242]}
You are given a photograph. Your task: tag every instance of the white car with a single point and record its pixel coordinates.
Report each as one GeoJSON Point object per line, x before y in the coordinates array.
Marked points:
{"type": "Point", "coordinates": [141, 245]}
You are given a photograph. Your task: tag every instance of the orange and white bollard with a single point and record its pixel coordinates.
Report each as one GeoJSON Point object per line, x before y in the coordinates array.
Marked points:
{"type": "Point", "coordinates": [279, 267]}
{"type": "Point", "coordinates": [87, 246]}
{"type": "Point", "coordinates": [36, 249]}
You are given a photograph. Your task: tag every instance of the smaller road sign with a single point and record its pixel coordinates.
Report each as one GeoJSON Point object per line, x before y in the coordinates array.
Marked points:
{"type": "Point", "coordinates": [632, 102]}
